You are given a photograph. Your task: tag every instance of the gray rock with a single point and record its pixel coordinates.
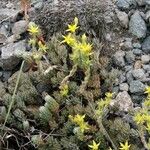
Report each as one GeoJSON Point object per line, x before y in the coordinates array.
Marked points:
{"type": "Point", "coordinates": [137, 45]}
{"type": "Point", "coordinates": [137, 99]}
{"type": "Point", "coordinates": [39, 5]}
{"type": "Point", "coordinates": [119, 58]}
{"type": "Point", "coordinates": [6, 75]}
{"type": "Point", "coordinates": [137, 25]}
{"type": "Point", "coordinates": [5, 13]}
{"type": "Point", "coordinates": [129, 76]}
{"type": "Point", "coordinates": [130, 57]}
{"type": "Point", "coordinates": [127, 45]}
{"type": "Point", "coordinates": [20, 27]}
{"type": "Point", "coordinates": [125, 4]}
{"type": "Point", "coordinates": [146, 45]}
{"type": "Point", "coordinates": [138, 73]}
{"type": "Point", "coordinates": [122, 78]}
{"type": "Point", "coordinates": [124, 87]}
{"type": "Point", "coordinates": [9, 55]}
{"type": "Point", "coordinates": [128, 68]}
{"type": "Point", "coordinates": [123, 102]}
{"type": "Point", "coordinates": [137, 87]}
{"type": "Point", "coordinates": [145, 59]}
{"type": "Point", "coordinates": [115, 90]}
{"type": "Point", "coordinates": [138, 64]}
{"type": "Point", "coordinates": [146, 67]}
{"type": "Point", "coordinates": [142, 2]}
{"type": "Point", "coordinates": [123, 18]}
{"type": "Point", "coordinates": [147, 15]}
{"type": "Point", "coordinates": [147, 2]}
{"type": "Point", "coordinates": [137, 52]}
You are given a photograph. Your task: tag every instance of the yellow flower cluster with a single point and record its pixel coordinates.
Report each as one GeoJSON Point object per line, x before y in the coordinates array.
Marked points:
{"type": "Point", "coordinates": [64, 90]}
{"type": "Point", "coordinates": [142, 117]}
{"type": "Point", "coordinates": [79, 120]}
{"type": "Point", "coordinates": [103, 103]}
{"type": "Point", "coordinates": [33, 29]}
{"type": "Point", "coordinates": [94, 146]}
{"type": "Point", "coordinates": [38, 47]}
{"type": "Point", "coordinates": [81, 49]}
{"type": "Point", "coordinates": [125, 146]}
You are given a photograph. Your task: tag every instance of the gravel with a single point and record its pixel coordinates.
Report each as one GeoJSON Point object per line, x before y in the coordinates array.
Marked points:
{"type": "Point", "coordinates": [137, 25]}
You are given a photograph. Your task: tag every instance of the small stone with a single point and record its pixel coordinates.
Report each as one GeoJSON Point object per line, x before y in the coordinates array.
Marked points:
{"type": "Point", "coordinates": [145, 59]}
{"type": "Point", "coordinates": [125, 4]}
{"type": "Point", "coordinates": [108, 37]}
{"type": "Point", "coordinates": [122, 78]}
{"type": "Point", "coordinates": [119, 58]}
{"type": "Point", "coordinates": [123, 18]}
{"type": "Point", "coordinates": [147, 15]}
{"type": "Point", "coordinates": [39, 5]}
{"type": "Point", "coordinates": [137, 99]}
{"type": "Point", "coordinates": [123, 102]}
{"type": "Point", "coordinates": [108, 19]}
{"type": "Point", "coordinates": [128, 68]}
{"type": "Point", "coordinates": [9, 55]}
{"type": "Point", "coordinates": [13, 38]}
{"type": "Point", "coordinates": [6, 12]}
{"type": "Point", "coordinates": [124, 87]}
{"type": "Point", "coordinates": [147, 2]}
{"type": "Point", "coordinates": [129, 76]}
{"type": "Point", "coordinates": [141, 2]}
{"type": "Point", "coordinates": [138, 64]}
{"type": "Point", "coordinates": [10, 5]}
{"type": "Point", "coordinates": [115, 90]}
{"type": "Point", "coordinates": [6, 75]}
{"type": "Point", "coordinates": [127, 45]}
{"type": "Point", "coordinates": [137, 45]}
{"type": "Point", "coordinates": [137, 52]}
{"type": "Point", "coordinates": [146, 67]}
{"type": "Point", "coordinates": [146, 45]}
{"type": "Point", "coordinates": [20, 27]}
{"type": "Point", "coordinates": [137, 25]}
{"type": "Point", "coordinates": [138, 73]}
{"type": "Point", "coordinates": [137, 87]}
{"type": "Point", "coordinates": [130, 58]}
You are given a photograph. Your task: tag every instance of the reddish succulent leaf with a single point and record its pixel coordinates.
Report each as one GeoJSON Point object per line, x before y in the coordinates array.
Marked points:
{"type": "Point", "coordinates": [25, 4]}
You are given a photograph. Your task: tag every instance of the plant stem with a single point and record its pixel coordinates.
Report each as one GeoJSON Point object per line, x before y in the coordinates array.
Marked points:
{"type": "Point", "coordinates": [14, 94]}
{"type": "Point", "coordinates": [72, 72]}
{"type": "Point", "coordinates": [141, 134]}
{"type": "Point", "coordinates": [102, 128]}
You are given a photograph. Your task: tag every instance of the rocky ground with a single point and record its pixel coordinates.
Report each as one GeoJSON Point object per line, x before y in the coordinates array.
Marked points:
{"type": "Point", "coordinates": [126, 46]}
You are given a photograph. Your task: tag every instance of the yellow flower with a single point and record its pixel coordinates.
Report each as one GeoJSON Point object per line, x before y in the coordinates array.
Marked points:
{"type": "Point", "coordinates": [42, 46]}
{"type": "Point", "coordinates": [72, 28]}
{"type": "Point", "coordinates": [78, 119]}
{"type": "Point", "coordinates": [94, 146]}
{"type": "Point", "coordinates": [84, 38]}
{"type": "Point", "coordinates": [125, 146]}
{"type": "Point", "coordinates": [148, 127]}
{"type": "Point", "coordinates": [86, 48]}
{"type": "Point", "coordinates": [147, 102]}
{"type": "Point", "coordinates": [32, 42]}
{"type": "Point", "coordinates": [64, 90]}
{"type": "Point", "coordinates": [139, 118]}
{"type": "Point", "coordinates": [147, 91]}
{"type": "Point", "coordinates": [83, 126]}
{"type": "Point", "coordinates": [109, 95]}
{"type": "Point", "coordinates": [68, 39]}
{"type": "Point", "coordinates": [33, 29]}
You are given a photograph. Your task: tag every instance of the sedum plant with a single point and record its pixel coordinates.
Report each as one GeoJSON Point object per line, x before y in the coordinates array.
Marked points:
{"type": "Point", "coordinates": [142, 119]}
